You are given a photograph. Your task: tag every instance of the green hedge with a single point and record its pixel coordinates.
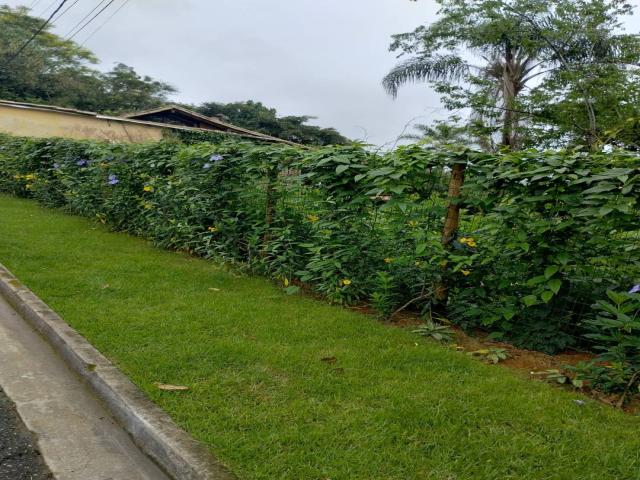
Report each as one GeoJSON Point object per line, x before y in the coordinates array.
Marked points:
{"type": "Point", "coordinates": [543, 235]}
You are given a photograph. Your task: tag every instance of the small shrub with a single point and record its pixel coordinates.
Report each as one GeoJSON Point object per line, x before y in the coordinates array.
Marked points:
{"type": "Point", "coordinates": [615, 333]}
{"type": "Point", "coordinates": [491, 355]}
{"type": "Point", "coordinates": [435, 331]}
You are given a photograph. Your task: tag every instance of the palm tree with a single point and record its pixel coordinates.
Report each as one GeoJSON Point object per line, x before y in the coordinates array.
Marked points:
{"type": "Point", "coordinates": [507, 75]}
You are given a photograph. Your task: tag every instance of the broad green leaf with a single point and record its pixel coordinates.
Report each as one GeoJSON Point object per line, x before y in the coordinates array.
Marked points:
{"type": "Point", "coordinates": [554, 285]}
{"type": "Point", "coordinates": [550, 271]}
{"type": "Point", "coordinates": [601, 187]}
{"type": "Point", "coordinates": [615, 297]}
{"type": "Point", "coordinates": [530, 300]}
{"type": "Point", "coordinates": [546, 296]}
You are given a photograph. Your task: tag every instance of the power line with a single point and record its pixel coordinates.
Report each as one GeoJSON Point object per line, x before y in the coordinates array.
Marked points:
{"type": "Point", "coordinates": [68, 35]}
{"type": "Point", "coordinates": [92, 19]}
{"type": "Point", "coordinates": [37, 32]}
{"type": "Point", "coordinates": [47, 9]}
{"type": "Point", "coordinates": [66, 10]}
{"type": "Point", "coordinates": [34, 4]}
{"type": "Point", "coordinates": [105, 22]}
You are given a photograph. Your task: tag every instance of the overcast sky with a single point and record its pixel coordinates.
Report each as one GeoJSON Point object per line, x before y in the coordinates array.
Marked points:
{"type": "Point", "coordinates": [317, 57]}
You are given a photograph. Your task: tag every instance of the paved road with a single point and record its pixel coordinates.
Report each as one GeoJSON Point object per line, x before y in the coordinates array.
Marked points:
{"type": "Point", "coordinates": [19, 457]}
{"type": "Point", "coordinates": [77, 437]}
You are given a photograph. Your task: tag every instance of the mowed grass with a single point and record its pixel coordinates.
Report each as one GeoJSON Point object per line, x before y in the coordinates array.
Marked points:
{"type": "Point", "coordinates": [392, 406]}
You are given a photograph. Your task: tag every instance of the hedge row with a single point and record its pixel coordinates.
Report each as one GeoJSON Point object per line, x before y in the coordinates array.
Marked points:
{"type": "Point", "coordinates": [542, 236]}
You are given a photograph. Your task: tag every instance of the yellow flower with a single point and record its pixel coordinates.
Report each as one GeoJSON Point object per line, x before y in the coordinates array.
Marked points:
{"type": "Point", "coordinates": [418, 263]}
{"type": "Point", "coordinates": [213, 229]}
{"type": "Point", "coordinates": [466, 273]}
{"type": "Point", "coordinates": [147, 206]}
{"type": "Point", "coordinates": [17, 177]}
{"type": "Point", "coordinates": [28, 186]}
{"type": "Point", "coordinates": [388, 260]}
{"type": "Point", "coordinates": [345, 282]}
{"type": "Point", "coordinates": [148, 188]}
{"type": "Point", "coordinates": [313, 218]}
{"type": "Point", "coordinates": [412, 223]}
{"type": "Point", "coordinates": [30, 176]}
{"type": "Point", "coordinates": [470, 241]}
{"type": "Point", "coordinates": [286, 282]}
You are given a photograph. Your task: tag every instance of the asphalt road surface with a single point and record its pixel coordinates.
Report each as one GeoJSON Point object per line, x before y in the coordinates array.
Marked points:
{"type": "Point", "coordinates": [19, 456]}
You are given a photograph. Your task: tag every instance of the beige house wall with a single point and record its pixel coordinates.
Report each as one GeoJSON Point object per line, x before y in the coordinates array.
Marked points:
{"type": "Point", "coordinates": [32, 122]}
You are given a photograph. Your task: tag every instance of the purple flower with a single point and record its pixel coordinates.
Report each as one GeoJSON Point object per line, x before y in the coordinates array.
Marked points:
{"type": "Point", "coordinates": [635, 289]}
{"type": "Point", "coordinates": [216, 157]}
{"type": "Point", "coordinates": [113, 179]}
{"type": "Point", "coordinates": [82, 163]}
{"type": "Point", "coordinates": [206, 166]}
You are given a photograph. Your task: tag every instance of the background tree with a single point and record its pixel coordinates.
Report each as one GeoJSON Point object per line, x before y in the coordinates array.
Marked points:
{"type": "Point", "coordinates": [57, 71]}
{"type": "Point", "coordinates": [441, 132]}
{"type": "Point", "coordinates": [258, 117]}
{"type": "Point", "coordinates": [510, 46]}
{"type": "Point", "coordinates": [590, 97]}
{"type": "Point", "coordinates": [125, 90]}
{"type": "Point", "coordinates": [50, 68]}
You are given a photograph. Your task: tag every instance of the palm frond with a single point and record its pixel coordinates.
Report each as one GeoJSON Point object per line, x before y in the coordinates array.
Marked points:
{"type": "Point", "coordinates": [432, 68]}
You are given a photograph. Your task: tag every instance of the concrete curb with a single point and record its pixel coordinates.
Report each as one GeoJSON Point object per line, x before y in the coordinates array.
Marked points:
{"type": "Point", "coordinates": [170, 447]}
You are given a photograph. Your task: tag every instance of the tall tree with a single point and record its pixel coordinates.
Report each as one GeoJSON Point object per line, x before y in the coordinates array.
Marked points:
{"type": "Point", "coordinates": [125, 90]}
{"type": "Point", "coordinates": [48, 69]}
{"type": "Point", "coordinates": [58, 71]}
{"type": "Point", "coordinates": [483, 54]}
{"type": "Point", "coordinates": [591, 93]}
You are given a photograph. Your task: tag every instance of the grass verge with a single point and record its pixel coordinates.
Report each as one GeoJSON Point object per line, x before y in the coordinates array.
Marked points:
{"type": "Point", "coordinates": [383, 404]}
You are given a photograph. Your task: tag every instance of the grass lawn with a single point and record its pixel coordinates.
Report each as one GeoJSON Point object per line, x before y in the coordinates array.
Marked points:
{"type": "Point", "coordinates": [392, 406]}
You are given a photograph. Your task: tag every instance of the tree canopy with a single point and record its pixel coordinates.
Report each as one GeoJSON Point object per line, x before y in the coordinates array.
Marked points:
{"type": "Point", "coordinates": [58, 71]}
{"type": "Point", "coordinates": [256, 116]}
{"type": "Point", "coordinates": [526, 71]}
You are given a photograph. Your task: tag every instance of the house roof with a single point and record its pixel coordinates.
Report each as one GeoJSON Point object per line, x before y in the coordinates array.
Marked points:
{"type": "Point", "coordinates": [211, 122]}
{"type": "Point", "coordinates": [215, 124]}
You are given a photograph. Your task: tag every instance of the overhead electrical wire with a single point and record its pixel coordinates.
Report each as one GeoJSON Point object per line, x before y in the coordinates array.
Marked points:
{"type": "Point", "coordinates": [70, 32]}
{"type": "Point", "coordinates": [92, 19]}
{"type": "Point", "coordinates": [65, 11]}
{"type": "Point", "coordinates": [43, 12]}
{"type": "Point", "coordinates": [105, 22]}
{"type": "Point", "coordinates": [36, 33]}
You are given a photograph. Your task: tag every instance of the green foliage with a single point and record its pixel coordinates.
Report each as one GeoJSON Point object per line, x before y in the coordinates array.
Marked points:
{"type": "Point", "coordinates": [382, 298]}
{"type": "Point", "coordinates": [58, 71]}
{"type": "Point", "coordinates": [124, 90]}
{"type": "Point", "coordinates": [436, 331]}
{"type": "Point", "coordinates": [615, 333]}
{"type": "Point", "coordinates": [528, 75]}
{"type": "Point", "coordinates": [557, 376]}
{"type": "Point", "coordinates": [553, 231]}
{"type": "Point", "coordinates": [542, 233]}
{"type": "Point", "coordinates": [491, 355]}
{"type": "Point", "coordinates": [256, 116]}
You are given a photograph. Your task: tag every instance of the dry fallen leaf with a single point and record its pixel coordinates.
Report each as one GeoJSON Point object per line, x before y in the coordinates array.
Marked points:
{"type": "Point", "coordinates": [106, 285]}
{"type": "Point", "coordinates": [329, 359]}
{"type": "Point", "coordinates": [215, 289]}
{"type": "Point", "coordinates": [171, 388]}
